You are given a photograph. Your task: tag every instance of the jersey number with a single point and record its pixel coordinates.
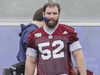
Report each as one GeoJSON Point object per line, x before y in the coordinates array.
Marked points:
{"type": "Point", "coordinates": [54, 52]}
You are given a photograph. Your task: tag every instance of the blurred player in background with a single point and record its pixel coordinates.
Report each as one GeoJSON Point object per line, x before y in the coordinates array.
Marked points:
{"type": "Point", "coordinates": [25, 30]}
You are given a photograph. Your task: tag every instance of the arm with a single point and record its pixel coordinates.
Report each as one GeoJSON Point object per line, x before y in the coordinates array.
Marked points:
{"type": "Point", "coordinates": [78, 56]}
{"type": "Point", "coordinates": [30, 65]}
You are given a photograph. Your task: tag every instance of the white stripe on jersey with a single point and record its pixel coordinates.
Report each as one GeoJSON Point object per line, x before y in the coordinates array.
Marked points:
{"type": "Point", "coordinates": [31, 52]}
{"type": "Point", "coordinates": [75, 46]}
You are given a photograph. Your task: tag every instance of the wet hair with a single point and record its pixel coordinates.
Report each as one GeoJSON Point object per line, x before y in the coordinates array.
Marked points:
{"type": "Point", "coordinates": [38, 15]}
{"type": "Point", "coordinates": [51, 4]}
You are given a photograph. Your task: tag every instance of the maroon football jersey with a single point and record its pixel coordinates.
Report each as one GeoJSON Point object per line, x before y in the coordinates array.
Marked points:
{"type": "Point", "coordinates": [89, 72]}
{"type": "Point", "coordinates": [54, 57]}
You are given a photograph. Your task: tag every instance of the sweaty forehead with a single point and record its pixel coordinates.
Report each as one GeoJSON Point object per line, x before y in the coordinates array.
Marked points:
{"type": "Point", "coordinates": [51, 9]}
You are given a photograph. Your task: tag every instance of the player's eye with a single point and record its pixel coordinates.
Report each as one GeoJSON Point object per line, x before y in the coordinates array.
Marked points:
{"type": "Point", "coordinates": [54, 13]}
{"type": "Point", "coordinates": [49, 13]}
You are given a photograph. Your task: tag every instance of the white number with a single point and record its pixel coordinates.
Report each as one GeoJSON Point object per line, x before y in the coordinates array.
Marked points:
{"type": "Point", "coordinates": [61, 54]}
{"type": "Point", "coordinates": [55, 55]}
{"type": "Point", "coordinates": [44, 51]}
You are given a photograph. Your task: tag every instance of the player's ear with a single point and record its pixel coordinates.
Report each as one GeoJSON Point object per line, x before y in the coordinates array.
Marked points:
{"type": "Point", "coordinates": [43, 14]}
{"type": "Point", "coordinates": [59, 13]}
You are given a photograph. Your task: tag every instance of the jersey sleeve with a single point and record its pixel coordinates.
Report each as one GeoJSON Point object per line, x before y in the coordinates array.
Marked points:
{"type": "Point", "coordinates": [73, 41]}
{"type": "Point", "coordinates": [75, 46]}
{"type": "Point", "coordinates": [31, 52]}
{"type": "Point", "coordinates": [73, 36]}
{"type": "Point", "coordinates": [30, 42]}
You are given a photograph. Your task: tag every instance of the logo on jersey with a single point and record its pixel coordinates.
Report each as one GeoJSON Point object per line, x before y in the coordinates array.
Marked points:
{"type": "Point", "coordinates": [37, 35]}
{"type": "Point", "coordinates": [65, 32]}
{"type": "Point", "coordinates": [50, 36]}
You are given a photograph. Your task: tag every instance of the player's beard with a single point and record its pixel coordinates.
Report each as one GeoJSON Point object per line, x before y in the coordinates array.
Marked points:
{"type": "Point", "coordinates": [51, 25]}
